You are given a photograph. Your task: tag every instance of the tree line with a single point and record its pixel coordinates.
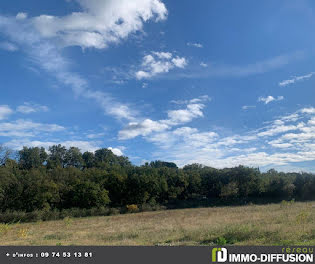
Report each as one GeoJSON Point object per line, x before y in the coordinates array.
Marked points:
{"type": "Point", "coordinates": [66, 178]}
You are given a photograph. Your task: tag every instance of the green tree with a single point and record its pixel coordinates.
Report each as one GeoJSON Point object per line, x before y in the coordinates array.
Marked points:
{"type": "Point", "coordinates": [32, 157]}
{"type": "Point", "coordinates": [161, 164]}
{"type": "Point", "coordinates": [230, 190]}
{"type": "Point", "coordinates": [89, 159]}
{"type": "Point", "coordinates": [57, 155]}
{"type": "Point", "coordinates": [88, 194]}
{"type": "Point", "coordinates": [73, 158]}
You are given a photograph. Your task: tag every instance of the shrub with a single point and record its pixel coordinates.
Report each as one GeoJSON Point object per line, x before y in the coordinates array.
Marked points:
{"type": "Point", "coordinates": [12, 216]}
{"type": "Point", "coordinates": [114, 211]}
{"type": "Point", "coordinates": [132, 208]}
{"type": "Point", "coordinates": [221, 241]}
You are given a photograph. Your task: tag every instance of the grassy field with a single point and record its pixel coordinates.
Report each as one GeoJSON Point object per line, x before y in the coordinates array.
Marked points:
{"type": "Point", "coordinates": [274, 224]}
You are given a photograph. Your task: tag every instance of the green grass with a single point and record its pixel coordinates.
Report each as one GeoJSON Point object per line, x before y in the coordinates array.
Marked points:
{"type": "Point", "coordinates": [274, 224]}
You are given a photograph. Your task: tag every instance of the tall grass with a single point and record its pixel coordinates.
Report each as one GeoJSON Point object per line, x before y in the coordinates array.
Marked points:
{"type": "Point", "coordinates": [273, 224]}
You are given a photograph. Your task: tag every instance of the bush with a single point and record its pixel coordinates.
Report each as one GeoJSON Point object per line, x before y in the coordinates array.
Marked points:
{"type": "Point", "coordinates": [12, 216]}
{"type": "Point", "coordinates": [221, 241]}
{"type": "Point", "coordinates": [132, 208]}
{"type": "Point", "coordinates": [47, 215]}
{"type": "Point", "coordinates": [114, 211]}
{"type": "Point", "coordinates": [146, 208]}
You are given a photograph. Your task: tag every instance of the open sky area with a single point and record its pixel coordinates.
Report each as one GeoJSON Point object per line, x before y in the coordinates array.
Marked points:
{"type": "Point", "coordinates": [218, 82]}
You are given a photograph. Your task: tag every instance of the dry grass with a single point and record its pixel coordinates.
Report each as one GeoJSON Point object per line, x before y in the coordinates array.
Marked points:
{"type": "Point", "coordinates": [275, 224]}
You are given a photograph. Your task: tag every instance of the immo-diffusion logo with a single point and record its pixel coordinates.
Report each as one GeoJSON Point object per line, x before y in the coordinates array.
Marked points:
{"type": "Point", "coordinates": [219, 254]}
{"type": "Point", "coordinates": [294, 255]}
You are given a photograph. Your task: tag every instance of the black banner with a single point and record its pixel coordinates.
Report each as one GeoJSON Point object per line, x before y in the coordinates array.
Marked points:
{"type": "Point", "coordinates": [145, 255]}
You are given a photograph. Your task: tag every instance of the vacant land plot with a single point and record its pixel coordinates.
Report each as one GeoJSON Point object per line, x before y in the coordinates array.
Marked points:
{"type": "Point", "coordinates": [274, 224]}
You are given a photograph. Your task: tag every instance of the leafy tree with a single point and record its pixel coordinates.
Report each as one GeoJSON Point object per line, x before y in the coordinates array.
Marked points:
{"type": "Point", "coordinates": [89, 159]}
{"type": "Point", "coordinates": [32, 157]}
{"type": "Point", "coordinates": [161, 164]}
{"type": "Point", "coordinates": [105, 157]}
{"type": "Point", "coordinates": [73, 158]}
{"type": "Point", "coordinates": [69, 179]}
{"type": "Point", "coordinates": [230, 190]}
{"type": "Point", "coordinates": [57, 156]}
{"type": "Point", "coordinates": [88, 194]}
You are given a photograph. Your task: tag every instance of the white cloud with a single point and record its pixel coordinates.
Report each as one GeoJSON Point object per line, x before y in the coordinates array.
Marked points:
{"type": "Point", "coordinates": [179, 62]}
{"type": "Point", "coordinates": [292, 117]}
{"type": "Point", "coordinates": [202, 64]}
{"type": "Point", "coordinates": [312, 121]}
{"type": "Point", "coordinates": [295, 79]}
{"type": "Point", "coordinates": [8, 46]}
{"type": "Point", "coordinates": [269, 99]}
{"type": "Point", "coordinates": [26, 128]}
{"type": "Point", "coordinates": [143, 128]}
{"type": "Point", "coordinates": [5, 111]}
{"type": "Point", "coordinates": [82, 145]}
{"type": "Point", "coordinates": [277, 129]}
{"type": "Point", "coordinates": [100, 22]}
{"type": "Point", "coordinates": [116, 151]}
{"type": "Point", "coordinates": [283, 142]}
{"type": "Point", "coordinates": [175, 117]}
{"type": "Point", "coordinates": [200, 99]}
{"type": "Point", "coordinates": [309, 110]}
{"type": "Point", "coordinates": [160, 55]}
{"type": "Point", "coordinates": [28, 108]}
{"type": "Point", "coordinates": [111, 106]}
{"type": "Point", "coordinates": [21, 16]}
{"type": "Point", "coordinates": [246, 107]}
{"type": "Point", "coordinates": [157, 63]}
{"type": "Point", "coordinates": [48, 57]}
{"type": "Point", "coordinates": [181, 116]}
{"type": "Point", "coordinates": [196, 45]}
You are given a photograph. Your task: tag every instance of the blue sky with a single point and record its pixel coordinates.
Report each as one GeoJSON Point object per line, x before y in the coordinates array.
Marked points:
{"type": "Point", "coordinates": [220, 83]}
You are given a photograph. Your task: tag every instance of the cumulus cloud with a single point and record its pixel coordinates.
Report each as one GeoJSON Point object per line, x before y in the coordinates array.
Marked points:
{"type": "Point", "coordinates": [179, 62]}
{"type": "Point", "coordinates": [116, 151]}
{"type": "Point", "coordinates": [175, 117]}
{"type": "Point", "coordinates": [181, 116]}
{"type": "Point", "coordinates": [100, 22]}
{"type": "Point", "coordinates": [296, 79]}
{"type": "Point", "coordinates": [143, 128]}
{"type": "Point", "coordinates": [202, 64]}
{"type": "Point", "coordinates": [159, 62]}
{"type": "Point", "coordinates": [269, 99]}
{"type": "Point", "coordinates": [308, 110]}
{"type": "Point", "coordinates": [5, 111]}
{"type": "Point", "coordinates": [28, 108]}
